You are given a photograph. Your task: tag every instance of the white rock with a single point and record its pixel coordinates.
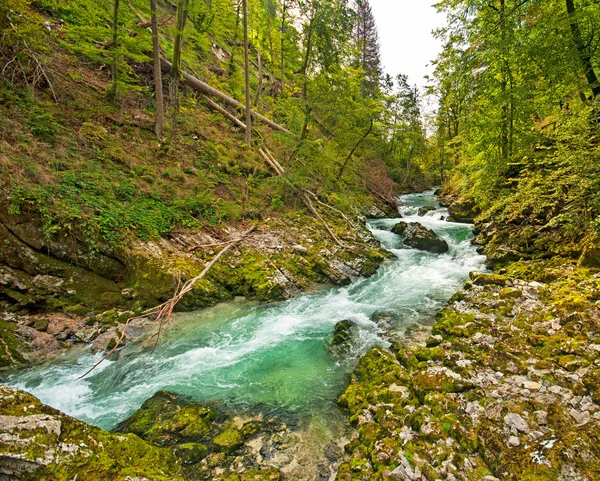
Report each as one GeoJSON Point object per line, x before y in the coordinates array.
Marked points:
{"type": "Point", "coordinates": [515, 421]}
{"type": "Point", "coordinates": [532, 386]}
{"type": "Point", "coordinates": [580, 417]}
{"type": "Point", "coordinates": [513, 442]}
{"type": "Point", "coordinates": [541, 417]}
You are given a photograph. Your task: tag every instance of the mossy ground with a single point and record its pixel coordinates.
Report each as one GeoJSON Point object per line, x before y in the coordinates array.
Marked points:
{"type": "Point", "coordinates": [501, 347]}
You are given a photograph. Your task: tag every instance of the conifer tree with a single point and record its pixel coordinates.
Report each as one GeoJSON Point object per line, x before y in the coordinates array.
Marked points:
{"type": "Point", "coordinates": [367, 43]}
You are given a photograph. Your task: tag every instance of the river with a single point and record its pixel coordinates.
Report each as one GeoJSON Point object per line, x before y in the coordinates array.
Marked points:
{"type": "Point", "coordinates": [270, 357]}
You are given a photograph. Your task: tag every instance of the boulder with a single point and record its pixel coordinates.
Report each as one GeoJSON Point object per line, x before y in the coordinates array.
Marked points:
{"type": "Point", "coordinates": [463, 211]}
{"type": "Point", "coordinates": [424, 210]}
{"type": "Point", "coordinates": [343, 336]}
{"type": "Point", "coordinates": [420, 237]}
{"type": "Point", "coordinates": [590, 257]}
{"type": "Point", "coordinates": [39, 442]}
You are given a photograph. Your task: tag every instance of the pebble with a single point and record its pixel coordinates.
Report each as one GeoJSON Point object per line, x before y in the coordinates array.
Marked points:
{"type": "Point", "coordinates": [513, 442]}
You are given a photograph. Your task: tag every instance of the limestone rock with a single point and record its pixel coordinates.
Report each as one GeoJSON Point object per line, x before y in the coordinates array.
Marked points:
{"type": "Point", "coordinates": [516, 422]}
{"type": "Point", "coordinates": [420, 237]}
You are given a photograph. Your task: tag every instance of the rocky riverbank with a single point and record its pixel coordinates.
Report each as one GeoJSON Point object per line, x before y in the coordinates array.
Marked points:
{"type": "Point", "coordinates": [508, 384]}
{"type": "Point", "coordinates": [55, 293]}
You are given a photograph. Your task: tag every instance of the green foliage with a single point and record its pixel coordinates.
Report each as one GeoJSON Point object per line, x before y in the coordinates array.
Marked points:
{"type": "Point", "coordinates": [106, 180]}
{"type": "Point", "coordinates": [515, 115]}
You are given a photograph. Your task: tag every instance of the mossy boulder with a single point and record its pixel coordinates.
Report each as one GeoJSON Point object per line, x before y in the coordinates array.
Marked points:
{"type": "Point", "coordinates": [40, 443]}
{"type": "Point", "coordinates": [420, 237]}
{"type": "Point", "coordinates": [424, 210]}
{"type": "Point", "coordinates": [590, 257]}
{"type": "Point", "coordinates": [485, 279]}
{"type": "Point", "coordinates": [191, 453]}
{"type": "Point", "coordinates": [229, 440]}
{"type": "Point", "coordinates": [343, 336]}
{"type": "Point", "coordinates": [11, 346]}
{"type": "Point", "coordinates": [167, 419]}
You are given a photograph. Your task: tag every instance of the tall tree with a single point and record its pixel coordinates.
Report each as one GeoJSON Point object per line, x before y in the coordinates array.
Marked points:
{"type": "Point", "coordinates": [182, 14]}
{"type": "Point", "coordinates": [582, 49]}
{"type": "Point", "coordinates": [247, 75]}
{"type": "Point", "coordinates": [367, 42]}
{"type": "Point", "coordinates": [158, 88]}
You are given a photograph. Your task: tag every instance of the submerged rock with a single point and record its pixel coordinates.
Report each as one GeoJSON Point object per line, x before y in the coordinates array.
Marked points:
{"type": "Point", "coordinates": [424, 210]}
{"type": "Point", "coordinates": [420, 237]}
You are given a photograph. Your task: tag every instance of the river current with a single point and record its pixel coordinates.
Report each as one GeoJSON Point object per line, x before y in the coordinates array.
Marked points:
{"type": "Point", "coordinates": [273, 357]}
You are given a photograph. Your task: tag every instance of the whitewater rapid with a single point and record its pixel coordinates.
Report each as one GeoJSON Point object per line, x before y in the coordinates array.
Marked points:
{"type": "Point", "coordinates": [273, 357]}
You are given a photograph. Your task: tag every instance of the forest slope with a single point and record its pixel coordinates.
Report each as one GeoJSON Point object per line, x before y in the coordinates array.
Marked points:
{"type": "Point", "coordinates": [96, 215]}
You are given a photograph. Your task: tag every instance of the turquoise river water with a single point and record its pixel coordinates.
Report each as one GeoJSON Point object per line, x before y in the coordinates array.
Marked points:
{"type": "Point", "coordinates": [272, 357]}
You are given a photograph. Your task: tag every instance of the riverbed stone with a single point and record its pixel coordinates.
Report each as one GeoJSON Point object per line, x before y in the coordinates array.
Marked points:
{"type": "Point", "coordinates": [424, 210]}
{"type": "Point", "coordinates": [417, 236]}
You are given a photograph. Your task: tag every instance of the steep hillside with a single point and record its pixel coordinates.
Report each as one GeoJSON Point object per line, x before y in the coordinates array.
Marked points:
{"type": "Point", "coordinates": [96, 216]}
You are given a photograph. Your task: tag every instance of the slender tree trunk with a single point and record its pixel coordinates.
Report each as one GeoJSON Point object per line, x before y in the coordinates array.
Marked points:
{"type": "Point", "coordinates": [247, 75]}
{"type": "Point", "coordinates": [182, 11]}
{"type": "Point", "coordinates": [284, 11]}
{"type": "Point", "coordinates": [115, 48]}
{"type": "Point", "coordinates": [158, 88]}
{"type": "Point", "coordinates": [176, 72]}
{"type": "Point", "coordinates": [235, 39]}
{"type": "Point", "coordinates": [260, 78]}
{"type": "Point", "coordinates": [345, 164]}
{"type": "Point", "coordinates": [270, 38]}
{"type": "Point", "coordinates": [309, 35]}
{"type": "Point", "coordinates": [504, 128]}
{"type": "Point", "coordinates": [584, 54]}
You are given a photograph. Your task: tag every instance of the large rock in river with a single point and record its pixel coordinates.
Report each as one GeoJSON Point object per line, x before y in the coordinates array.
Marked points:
{"type": "Point", "coordinates": [424, 210]}
{"type": "Point", "coordinates": [420, 237]}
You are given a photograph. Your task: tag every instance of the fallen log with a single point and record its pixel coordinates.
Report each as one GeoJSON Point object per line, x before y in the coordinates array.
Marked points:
{"type": "Point", "coordinates": [220, 109]}
{"type": "Point", "coordinates": [206, 89]}
{"type": "Point", "coordinates": [281, 172]}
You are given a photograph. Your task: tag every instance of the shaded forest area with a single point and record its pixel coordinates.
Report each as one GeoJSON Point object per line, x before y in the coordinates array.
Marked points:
{"type": "Point", "coordinates": [519, 111]}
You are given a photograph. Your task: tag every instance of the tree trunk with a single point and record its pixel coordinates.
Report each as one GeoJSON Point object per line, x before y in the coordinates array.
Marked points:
{"type": "Point", "coordinates": [182, 11]}
{"type": "Point", "coordinates": [247, 76]}
{"type": "Point", "coordinates": [260, 78]}
{"type": "Point", "coordinates": [284, 9]}
{"type": "Point", "coordinates": [345, 164]}
{"type": "Point", "coordinates": [176, 72]}
{"type": "Point", "coordinates": [115, 49]}
{"type": "Point", "coordinates": [204, 88]}
{"type": "Point", "coordinates": [584, 54]}
{"type": "Point", "coordinates": [158, 88]}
